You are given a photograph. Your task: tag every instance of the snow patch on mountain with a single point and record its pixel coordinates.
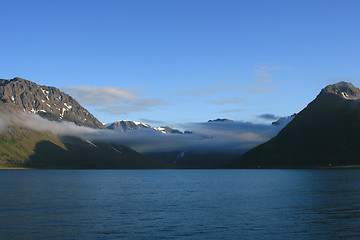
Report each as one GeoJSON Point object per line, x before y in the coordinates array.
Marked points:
{"type": "Point", "coordinates": [128, 125]}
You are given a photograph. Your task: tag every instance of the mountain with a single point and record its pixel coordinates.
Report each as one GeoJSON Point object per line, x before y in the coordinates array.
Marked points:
{"type": "Point", "coordinates": [167, 129]}
{"type": "Point", "coordinates": [128, 125]}
{"type": "Point", "coordinates": [48, 102]}
{"type": "Point", "coordinates": [221, 120]}
{"type": "Point", "coordinates": [284, 120]}
{"type": "Point", "coordinates": [27, 148]}
{"type": "Point", "coordinates": [25, 144]}
{"type": "Point", "coordinates": [325, 133]}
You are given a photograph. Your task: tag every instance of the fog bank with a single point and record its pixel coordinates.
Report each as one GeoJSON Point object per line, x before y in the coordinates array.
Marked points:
{"type": "Point", "coordinates": [222, 137]}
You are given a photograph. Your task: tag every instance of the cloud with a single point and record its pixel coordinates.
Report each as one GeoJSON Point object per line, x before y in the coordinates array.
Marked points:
{"type": "Point", "coordinates": [351, 79]}
{"type": "Point", "coordinates": [236, 137]}
{"type": "Point", "coordinates": [262, 76]}
{"type": "Point", "coordinates": [271, 68]}
{"type": "Point", "coordinates": [201, 91]}
{"type": "Point", "coordinates": [226, 83]}
{"type": "Point", "coordinates": [268, 116]}
{"type": "Point", "coordinates": [145, 120]}
{"type": "Point", "coordinates": [133, 107]}
{"type": "Point", "coordinates": [263, 79]}
{"type": "Point", "coordinates": [228, 101]}
{"type": "Point", "coordinates": [266, 89]}
{"type": "Point", "coordinates": [115, 100]}
{"type": "Point", "coordinates": [232, 110]}
{"type": "Point", "coordinates": [99, 96]}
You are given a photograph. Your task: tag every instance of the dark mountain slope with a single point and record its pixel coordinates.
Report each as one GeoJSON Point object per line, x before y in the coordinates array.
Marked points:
{"type": "Point", "coordinates": [325, 133]}
{"type": "Point", "coordinates": [81, 154]}
{"type": "Point", "coordinates": [18, 144]}
{"type": "Point", "coordinates": [48, 102]}
{"type": "Point", "coordinates": [26, 148]}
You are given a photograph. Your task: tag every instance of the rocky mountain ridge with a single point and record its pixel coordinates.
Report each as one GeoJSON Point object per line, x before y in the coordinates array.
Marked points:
{"type": "Point", "coordinates": [343, 89]}
{"type": "Point", "coordinates": [48, 102]}
{"type": "Point", "coordinates": [128, 125]}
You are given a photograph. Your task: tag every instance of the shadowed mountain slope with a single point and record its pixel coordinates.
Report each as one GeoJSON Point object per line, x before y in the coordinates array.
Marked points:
{"type": "Point", "coordinates": [325, 133]}
{"type": "Point", "coordinates": [24, 148]}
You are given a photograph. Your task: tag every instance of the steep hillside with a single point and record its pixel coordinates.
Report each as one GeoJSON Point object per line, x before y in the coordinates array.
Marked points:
{"type": "Point", "coordinates": [26, 148]}
{"type": "Point", "coordinates": [48, 102]}
{"type": "Point", "coordinates": [325, 133]}
{"type": "Point", "coordinates": [17, 145]}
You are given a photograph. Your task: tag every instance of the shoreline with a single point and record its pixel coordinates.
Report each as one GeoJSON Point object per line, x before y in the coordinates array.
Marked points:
{"type": "Point", "coordinates": [278, 168]}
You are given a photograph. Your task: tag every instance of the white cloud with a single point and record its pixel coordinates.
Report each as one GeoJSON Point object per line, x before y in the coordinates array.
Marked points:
{"type": "Point", "coordinates": [112, 99]}
{"type": "Point", "coordinates": [99, 96]}
{"type": "Point", "coordinates": [145, 120]}
{"type": "Point", "coordinates": [232, 110]}
{"type": "Point", "coordinates": [262, 76]}
{"type": "Point", "coordinates": [199, 92]}
{"type": "Point", "coordinates": [266, 89]}
{"type": "Point", "coordinates": [228, 101]}
{"type": "Point", "coordinates": [263, 79]}
{"type": "Point", "coordinates": [351, 79]}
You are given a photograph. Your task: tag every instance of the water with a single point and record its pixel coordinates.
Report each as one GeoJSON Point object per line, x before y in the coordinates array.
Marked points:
{"type": "Point", "coordinates": [180, 204]}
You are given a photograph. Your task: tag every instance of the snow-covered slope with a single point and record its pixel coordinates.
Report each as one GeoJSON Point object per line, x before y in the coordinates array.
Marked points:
{"type": "Point", "coordinates": [128, 125]}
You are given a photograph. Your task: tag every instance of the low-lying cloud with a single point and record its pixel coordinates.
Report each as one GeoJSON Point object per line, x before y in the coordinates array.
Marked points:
{"type": "Point", "coordinates": [224, 137]}
{"type": "Point", "coordinates": [269, 116]}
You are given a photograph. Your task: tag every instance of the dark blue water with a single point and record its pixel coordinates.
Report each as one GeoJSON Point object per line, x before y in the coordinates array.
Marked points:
{"type": "Point", "coordinates": [180, 204]}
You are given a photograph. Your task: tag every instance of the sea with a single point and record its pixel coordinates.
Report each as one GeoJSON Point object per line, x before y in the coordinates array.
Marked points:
{"type": "Point", "coordinates": [180, 204]}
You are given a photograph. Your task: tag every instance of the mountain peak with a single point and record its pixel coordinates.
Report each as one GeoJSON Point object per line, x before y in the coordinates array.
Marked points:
{"type": "Point", "coordinates": [126, 125]}
{"type": "Point", "coordinates": [48, 102]}
{"type": "Point", "coordinates": [343, 89]}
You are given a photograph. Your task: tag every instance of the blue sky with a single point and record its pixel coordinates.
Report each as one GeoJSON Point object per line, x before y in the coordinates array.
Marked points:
{"type": "Point", "coordinates": [184, 61]}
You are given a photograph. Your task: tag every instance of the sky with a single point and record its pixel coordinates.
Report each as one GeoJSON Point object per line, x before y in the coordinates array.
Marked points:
{"type": "Point", "coordinates": [175, 62]}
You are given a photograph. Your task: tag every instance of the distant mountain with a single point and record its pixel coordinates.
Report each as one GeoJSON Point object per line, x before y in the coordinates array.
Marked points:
{"type": "Point", "coordinates": [221, 120]}
{"type": "Point", "coordinates": [325, 133]}
{"type": "Point", "coordinates": [128, 125]}
{"type": "Point", "coordinates": [48, 102]}
{"type": "Point", "coordinates": [166, 129]}
{"type": "Point", "coordinates": [284, 120]}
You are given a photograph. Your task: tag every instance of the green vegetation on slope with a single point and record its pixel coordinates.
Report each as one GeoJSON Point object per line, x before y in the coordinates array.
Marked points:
{"type": "Point", "coordinates": [17, 145]}
{"type": "Point", "coordinates": [325, 133]}
{"type": "Point", "coordinates": [24, 148]}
